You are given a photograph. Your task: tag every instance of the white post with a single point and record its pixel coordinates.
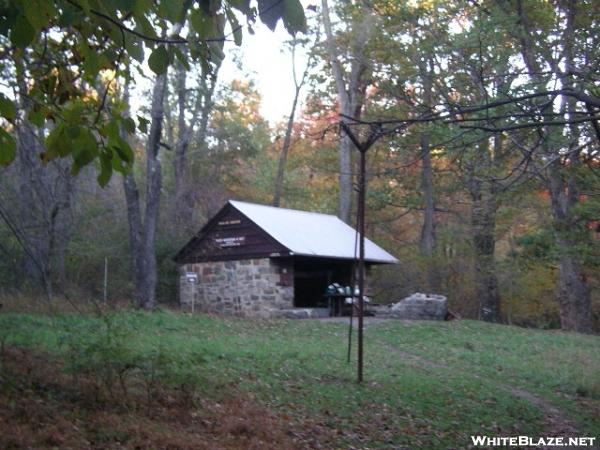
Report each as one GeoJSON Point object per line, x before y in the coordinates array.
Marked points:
{"type": "Point", "coordinates": [105, 279]}
{"type": "Point", "coordinates": [193, 297]}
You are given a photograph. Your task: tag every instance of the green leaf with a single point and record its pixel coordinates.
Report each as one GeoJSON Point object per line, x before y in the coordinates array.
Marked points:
{"type": "Point", "coordinates": [181, 58]}
{"type": "Point", "coordinates": [84, 149]}
{"type": "Point", "coordinates": [236, 29]}
{"type": "Point", "coordinates": [72, 131]}
{"type": "Point", "coordinates": [270, 11]}
{"type": "Point", "coordinates": [143, 26]}
{"type": "Point", "coordinates": [68, 15]}
{"type": "Point", "coordinates": [36, 117]}
{"type": "Point", "coordinates": [39, 12]}
{"type": "Point", "coordinates": [106, 168]}
{"type": "Point", "coordinates": [48, 85]}
{"type": "Point", "coordinates": [125, 5]}
{"type": "Point", "coordinates": [159, 60]}
{"type": "Point", "coordinates": [143, 124]}
{"type": "Point", "coordinates": [8, 148]}
{"type": "Point", "coordinates": [293, 16]}
{"type": "Point", "coordinates": [170, 10]}
{"type": "Point", "coordinates": [141, 7]}
{"type": "Point", "coordinates": [129, 125]}
{"type": "Point", "coordinates": [57, 143]}
{"type": "Point", "coordinates": [22, 33]}
{"type": "Point", "coordinates": [134, 48]}
{"type": "Point", "coordinates": [85, 5]}
{"type": "Point", "coordinates": [75, 113]}
{"type": "Point", "coordinates": [110, 130]}
{"type": "Point", "coordinates": [123, 150]}
{"type": "Point", "coordinates": [202, 23]}
{"type": "Point", "coordinates": [91, 65]}
{"type": "Point", "coordinates": [7, 108]}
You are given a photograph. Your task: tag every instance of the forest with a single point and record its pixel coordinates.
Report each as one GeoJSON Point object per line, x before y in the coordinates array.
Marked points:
{"type": "Point", "coordinates": [481, 118]}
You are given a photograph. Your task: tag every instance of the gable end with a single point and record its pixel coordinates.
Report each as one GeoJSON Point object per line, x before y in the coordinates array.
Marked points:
{"type": "Point", "coordinates": [230, 235]}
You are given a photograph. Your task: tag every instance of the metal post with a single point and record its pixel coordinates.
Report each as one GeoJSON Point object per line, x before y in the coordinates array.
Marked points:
{"type": "Point", "coordinates": [361, 259]}
{"type": "Point", "coordinates": [362, 147]}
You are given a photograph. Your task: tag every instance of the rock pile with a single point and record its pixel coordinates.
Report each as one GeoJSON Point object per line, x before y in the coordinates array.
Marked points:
{"type": "Point", "coordinates": [420, 306]}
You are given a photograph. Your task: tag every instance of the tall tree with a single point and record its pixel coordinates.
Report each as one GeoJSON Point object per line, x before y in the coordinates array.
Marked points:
{"type": "Point", "coordinates": [41, 210]}
{"type": "Point", "coordinates": [299, 82]}
{"type": "Point", "coordinates": [554, 49]}
{"type": "Point", "coordinates": [142, 231]}
{"type": "Point", "coordinates": [350, 84]}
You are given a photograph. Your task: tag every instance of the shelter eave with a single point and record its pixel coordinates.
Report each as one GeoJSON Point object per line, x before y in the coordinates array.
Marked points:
{"type": "Point", "coordinates": [343, 258]}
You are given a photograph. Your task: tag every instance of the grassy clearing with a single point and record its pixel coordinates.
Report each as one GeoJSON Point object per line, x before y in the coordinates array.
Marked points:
{"type": "Point", "coordinates": [429, 385]}
{"type": "Point", "coordinates": [563, 368]}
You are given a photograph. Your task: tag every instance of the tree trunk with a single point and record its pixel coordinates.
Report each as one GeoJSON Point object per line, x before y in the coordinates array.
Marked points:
{"type": "Point", "coordinates": [427, 241]}
{"type": "Point", "coordinates": [135, 227]}
{"type": "Point", "coordinates": [284, 152]}
{"type": "Point", "coordinates": [572, 290]}
{"type": "Point", "coordinates": [483, 223]}
{"type": "Point", "coordinates": [182, 134]}
{"type": "Point", "coordinates": [183, 206]}
{"type": "Point", "coordinates": [147, 267]}
{"type": "Point", "coordinates": [483, 226]}
{"type": "Point", "coordinates": [42, 217]}
{"type": "Point", "coordinates": [427, 238]}
{"type": "Point", "coordinates": [350, 93]}
{"type": "Point", "coordinates": [36, 260]}
{"type": "Point", "coordinates": [142, 229]}
{"type": "Point", "coordinates": [565, 189]}
{"type": "Point", "coordinates": [207, 104]}
{"type": "Point", "coordinates": [134, 214]}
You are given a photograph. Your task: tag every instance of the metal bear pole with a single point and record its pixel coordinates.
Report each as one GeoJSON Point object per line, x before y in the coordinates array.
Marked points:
{"type": "Point", "coordinates": [363, 147]}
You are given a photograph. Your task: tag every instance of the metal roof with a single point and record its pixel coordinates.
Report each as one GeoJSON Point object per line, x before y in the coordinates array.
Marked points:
{"type": "Point", "coordinates": [311, 234]}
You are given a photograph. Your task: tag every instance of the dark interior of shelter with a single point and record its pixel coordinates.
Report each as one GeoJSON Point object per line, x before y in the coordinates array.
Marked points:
{"type": "Point", "coordinates": [313, 275]}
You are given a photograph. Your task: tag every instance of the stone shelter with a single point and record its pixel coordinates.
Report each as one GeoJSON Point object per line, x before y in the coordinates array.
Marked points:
{"type": "Point", "coordinates": [257, 260]}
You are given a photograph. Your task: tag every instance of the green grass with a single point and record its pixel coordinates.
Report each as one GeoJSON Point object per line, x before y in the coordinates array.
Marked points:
{"type": "Point", "coordinates": [453, 387]}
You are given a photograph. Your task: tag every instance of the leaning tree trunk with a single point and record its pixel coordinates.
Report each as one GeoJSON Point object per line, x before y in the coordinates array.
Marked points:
{"type": "Point", "coordinates": [284, 152]}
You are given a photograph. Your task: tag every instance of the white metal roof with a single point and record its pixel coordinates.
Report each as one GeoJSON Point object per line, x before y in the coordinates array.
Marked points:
{"type": "Point", "coordinates": [311, 234]}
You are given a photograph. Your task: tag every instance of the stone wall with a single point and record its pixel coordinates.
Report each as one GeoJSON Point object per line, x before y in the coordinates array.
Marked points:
{"type": "Point", "coordinates": [251, 287]}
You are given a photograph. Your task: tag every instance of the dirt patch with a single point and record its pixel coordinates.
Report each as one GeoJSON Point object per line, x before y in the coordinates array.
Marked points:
{"type": "Point", "coordinates": [556, 422]}
{"type": "Point", "coordinates": [43, 407]}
